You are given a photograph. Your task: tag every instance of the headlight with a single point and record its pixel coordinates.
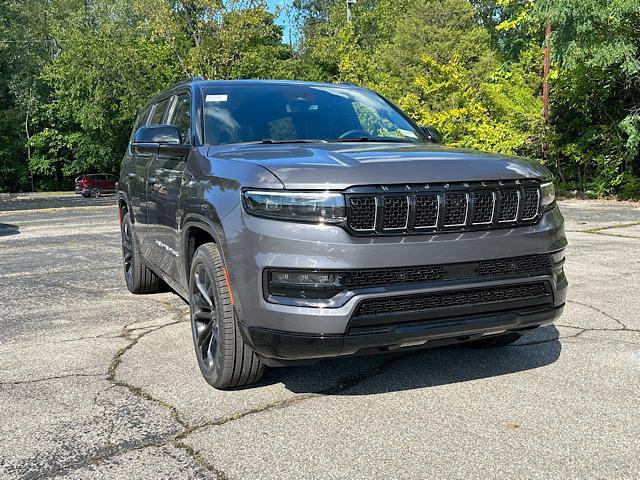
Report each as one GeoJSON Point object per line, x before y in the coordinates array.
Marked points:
{"type": "Point", "coordinates": [317, 207]}
{"type": "Point", "coordinates": [548, 194]}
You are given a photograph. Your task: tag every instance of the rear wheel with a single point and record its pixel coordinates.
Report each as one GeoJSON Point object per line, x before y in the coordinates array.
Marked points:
{"type": "Point", "coordinates": [224, 358]}
{"type": "Point", "coordinates": [138, 277]}
{"type": "Point", "coordinates": [95, 192]}
{"type": "Point", "coordinates": [497, 341]}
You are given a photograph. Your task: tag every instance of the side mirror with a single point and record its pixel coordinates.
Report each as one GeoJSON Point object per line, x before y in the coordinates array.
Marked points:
{"type": "Point", "coordinates": [155, 138]}
{"type": "Point", "coordinates": [432, 134]}
{"type": "Point", "coordinates": [158, 134]}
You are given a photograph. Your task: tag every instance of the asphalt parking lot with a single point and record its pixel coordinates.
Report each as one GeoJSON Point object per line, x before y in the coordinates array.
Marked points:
{"type": "Point", "coordinates": [98, 383]}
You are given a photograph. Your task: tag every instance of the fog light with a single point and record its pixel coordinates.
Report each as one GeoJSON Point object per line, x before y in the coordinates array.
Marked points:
{"type": "Point", "coordinates": [304, 284]}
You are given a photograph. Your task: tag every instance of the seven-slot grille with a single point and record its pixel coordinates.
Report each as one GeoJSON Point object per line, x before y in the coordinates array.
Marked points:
{"type": "Point", "coordinates": [447, 207]}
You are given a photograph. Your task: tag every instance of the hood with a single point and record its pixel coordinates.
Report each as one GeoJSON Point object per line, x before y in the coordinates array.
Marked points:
{"type": "Point", "coordinates": [338, 166]}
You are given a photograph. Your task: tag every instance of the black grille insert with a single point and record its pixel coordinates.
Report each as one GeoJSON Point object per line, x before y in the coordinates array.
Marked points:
{"type": "Point", "coordinates": [530, 203]}
{"type": "Point", "coordinates": [455, 209]}
{"type": "Point", "coordinates": [362, 213]}
{"type": "Point", "coordinates": [426, 211]}
{"type": "Point", "coordinates": [396, 213]}
{"type": "Point", "coordinates": [482, 207]}
{"type": "Point", "coordinates": [450, 299]}
{"type": "Point", "coordinates": [508, 206]}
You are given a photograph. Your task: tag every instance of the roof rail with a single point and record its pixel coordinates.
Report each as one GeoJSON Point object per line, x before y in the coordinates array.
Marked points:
{"type": "Point", "coordinates": [186, 81]}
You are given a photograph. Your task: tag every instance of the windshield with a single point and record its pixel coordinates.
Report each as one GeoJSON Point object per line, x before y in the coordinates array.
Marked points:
{"type": "Point", "coordinates": [295, 112]}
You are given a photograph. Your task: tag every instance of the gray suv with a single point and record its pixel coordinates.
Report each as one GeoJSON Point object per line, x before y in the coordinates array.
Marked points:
{"type": "Point", "coordinates": [308, 220]}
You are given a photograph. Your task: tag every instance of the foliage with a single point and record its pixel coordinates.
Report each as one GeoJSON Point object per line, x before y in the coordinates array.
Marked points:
{"type": "Point", "coordinates": [596, 92]}
{"type": "Point", "coordinates": [72, 82]}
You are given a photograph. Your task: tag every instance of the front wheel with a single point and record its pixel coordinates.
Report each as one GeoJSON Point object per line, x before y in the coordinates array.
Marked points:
{"type": "Point", "coordinates": [224, 358]}
{"type": "Point", "coordinates": [95, 192]}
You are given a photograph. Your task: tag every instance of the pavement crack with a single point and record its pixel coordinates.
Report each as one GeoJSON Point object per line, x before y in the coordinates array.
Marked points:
{"type": "Point", "coordinates": [342, 385]}
{"type": "Point", "coordinates": [200, 460]}
{"type": "Point", "coordinates": [55, 377]}
{"type": "Point", "coordinates": [138, 391]}
{"type": "Point", "coordinates": [611, 227]}
{"type": "Point", "coordinates": [599, 310]}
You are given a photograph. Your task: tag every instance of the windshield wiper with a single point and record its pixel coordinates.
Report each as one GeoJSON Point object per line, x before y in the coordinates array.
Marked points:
{"type": "Point", "coordinates": [374, 139]}
{"type": "Point", "coordinates": [303, 140]}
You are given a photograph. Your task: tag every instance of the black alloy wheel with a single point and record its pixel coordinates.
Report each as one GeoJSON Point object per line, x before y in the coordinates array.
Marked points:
{"type": "Point", "coordinates": [205, 321]}
{"type": "Point", "coordinates": [224, 358]}
{"type": "Point", "coordinates": [127, 253]}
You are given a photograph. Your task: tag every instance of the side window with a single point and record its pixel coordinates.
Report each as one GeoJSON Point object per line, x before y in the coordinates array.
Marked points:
{"type": "Point", "coordinates": [140, 121]}
{"type": "Point", "coordinates": [158, 112]}
{"type": "Point", "coordinates": [181, 117]}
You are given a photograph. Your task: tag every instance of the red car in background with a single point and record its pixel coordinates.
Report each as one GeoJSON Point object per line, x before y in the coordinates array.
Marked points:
{"type": "Point", "coordinates": [95, 184]}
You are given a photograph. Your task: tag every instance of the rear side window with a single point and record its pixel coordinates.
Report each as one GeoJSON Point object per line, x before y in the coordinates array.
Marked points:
{"type": "Point", "coordinates": [181, 117]}
{"type": "Point", "coordinates": [158, 112]}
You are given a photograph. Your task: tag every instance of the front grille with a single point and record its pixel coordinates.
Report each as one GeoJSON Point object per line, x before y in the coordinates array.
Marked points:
{"type": "Point", "coordinates": [451, 299]}
{"type": "Point", "coordinates": [414, 209]}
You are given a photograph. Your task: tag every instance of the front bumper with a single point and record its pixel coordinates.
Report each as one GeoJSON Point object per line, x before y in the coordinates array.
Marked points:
{"type": "Point", "coordinates": [285, 348]}
{"type": "Point", "coordinates": [253, 244]}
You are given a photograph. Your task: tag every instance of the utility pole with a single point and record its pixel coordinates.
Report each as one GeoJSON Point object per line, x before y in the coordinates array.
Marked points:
{"type": "Point", "coordinates": [547, 67]}
{"type": "Point", "coordinates": [350, 4]}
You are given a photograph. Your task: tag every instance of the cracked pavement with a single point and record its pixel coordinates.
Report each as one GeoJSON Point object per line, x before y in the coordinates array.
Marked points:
{"type": "Point", "coordinates": [98, 383]}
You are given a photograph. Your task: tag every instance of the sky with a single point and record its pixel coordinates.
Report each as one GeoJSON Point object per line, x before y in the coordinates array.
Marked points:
{"type": "Point", "coordinates": [281, 20]}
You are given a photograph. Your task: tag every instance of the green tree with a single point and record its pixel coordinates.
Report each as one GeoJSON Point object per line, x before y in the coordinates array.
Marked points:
{"type": "Point", "coordinates": [596, 109]}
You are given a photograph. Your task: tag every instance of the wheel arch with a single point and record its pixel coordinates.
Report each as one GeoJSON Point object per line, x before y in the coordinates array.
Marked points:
{"type": "Point", "coordinates": [123, 206]}
{"type": "Point", "coordinates": [197, 230]}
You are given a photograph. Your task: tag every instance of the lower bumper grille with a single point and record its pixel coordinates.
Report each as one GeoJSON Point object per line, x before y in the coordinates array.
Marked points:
{"type": "Point", "coordinates": [496, 297]}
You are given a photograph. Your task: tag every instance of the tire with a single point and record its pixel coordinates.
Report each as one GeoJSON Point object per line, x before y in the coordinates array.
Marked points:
{"type": "Point", "coordinates": [224, 358]}
{"type": "Point", "coordinates": [497, 341]}
{"type": "Point", "coordinates": [95, 192]}
{"type": "Point", "coordinates": [138, 277]}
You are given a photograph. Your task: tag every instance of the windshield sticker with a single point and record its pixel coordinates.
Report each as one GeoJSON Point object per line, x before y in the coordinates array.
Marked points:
{"type": "Point", "coordinates": [216, 98]}
{"type": "Point", "coordinates": [407, 133]}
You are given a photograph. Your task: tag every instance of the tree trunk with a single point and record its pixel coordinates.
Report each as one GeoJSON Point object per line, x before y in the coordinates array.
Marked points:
{"type": "Point", "coordinates": [26, 131]}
